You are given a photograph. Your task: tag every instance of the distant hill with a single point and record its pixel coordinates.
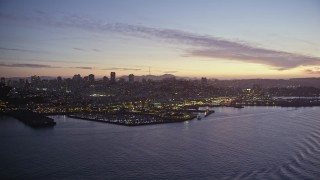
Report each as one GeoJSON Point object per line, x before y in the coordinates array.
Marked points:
{"type": "Point", "coordinates": [268, 83]}
{"type": "Point", "coordinates": [151, 77]}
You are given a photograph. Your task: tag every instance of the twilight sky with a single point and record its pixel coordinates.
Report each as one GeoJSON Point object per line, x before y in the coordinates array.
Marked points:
{"type": "Point", "coordinates": [223, 39]}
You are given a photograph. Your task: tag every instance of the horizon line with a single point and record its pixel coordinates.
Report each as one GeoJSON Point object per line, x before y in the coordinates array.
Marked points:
{"type": "Point", "coordinates": [179, 77]}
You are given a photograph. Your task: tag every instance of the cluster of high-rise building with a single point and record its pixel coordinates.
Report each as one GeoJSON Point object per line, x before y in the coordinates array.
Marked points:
{"type": "Point", "coordinates": [77, 78]}
{"type": "Point", "coordinates": [91, 77]}
{"type": "Point", "coordinates": [112, 79]}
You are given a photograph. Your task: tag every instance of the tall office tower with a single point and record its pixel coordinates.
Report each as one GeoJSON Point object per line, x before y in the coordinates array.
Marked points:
{"type": "Point", "coordinates": [131, 78]}
{"type": "Point", "coordinates": [77, 78]}
{"type": "Point", "coordinates": [105, 79]}
{"type": "Point", "coordinates": [59, 79]}
{"type": "Point", "coordinates": [204, 81]}
{"type": "Point", "coordinates": [59, 82]}
{"type": "Point", "coordinates": [91, 77]}
{"type": "Point", "coordinates": [113, 77]}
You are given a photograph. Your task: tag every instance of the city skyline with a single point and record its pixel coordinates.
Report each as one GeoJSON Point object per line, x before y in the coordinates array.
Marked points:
{"type": "Point", "coordinates": [214, 39]}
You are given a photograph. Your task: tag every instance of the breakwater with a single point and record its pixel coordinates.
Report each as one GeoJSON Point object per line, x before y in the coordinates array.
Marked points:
{"type": "Point", "coordinates": [32, 119]}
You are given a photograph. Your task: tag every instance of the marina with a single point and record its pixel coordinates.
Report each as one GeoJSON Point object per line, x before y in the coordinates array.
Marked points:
{"type": "Point", "coordinates": [132, 119]}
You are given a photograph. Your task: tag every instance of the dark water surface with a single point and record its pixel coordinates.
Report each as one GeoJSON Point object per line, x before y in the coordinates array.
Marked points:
{"type": "Point", "coordinates": [249, 143]}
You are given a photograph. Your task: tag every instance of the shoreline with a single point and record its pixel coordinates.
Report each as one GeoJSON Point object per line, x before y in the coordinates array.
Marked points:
{"type": "Point", "coordinates": [38, 120]}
